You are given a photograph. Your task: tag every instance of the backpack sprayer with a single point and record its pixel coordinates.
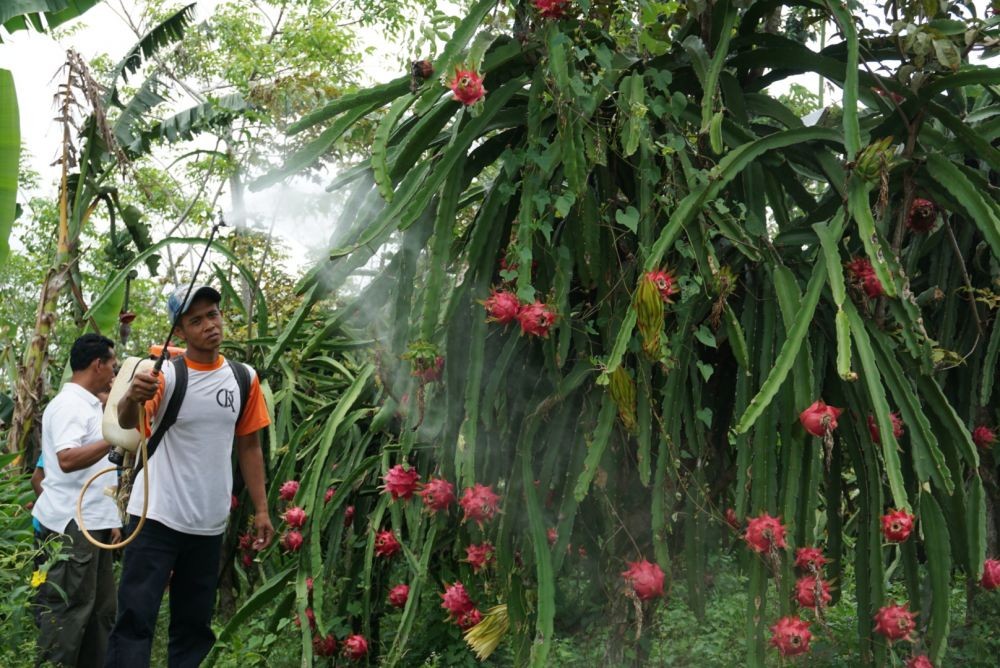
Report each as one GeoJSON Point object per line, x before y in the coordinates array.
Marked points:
{"type": "Point", "coordinates": [127, 442]}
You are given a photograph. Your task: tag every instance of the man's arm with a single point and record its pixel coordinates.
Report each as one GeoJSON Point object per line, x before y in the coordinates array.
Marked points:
{"type": "Point", "coordinates": [36, 480]}
{"type": "Point", "coordinates": [251, 459]}
{"type": "Point", "coordinates": [75, 459]}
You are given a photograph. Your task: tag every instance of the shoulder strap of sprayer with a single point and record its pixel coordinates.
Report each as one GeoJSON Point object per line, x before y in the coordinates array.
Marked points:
{"type": "Point", "coordinates": [177, 398]}
{"type": "Point", "coordinates": [242, 382]}
{"type": "Point", "coordinates": [170, 414]}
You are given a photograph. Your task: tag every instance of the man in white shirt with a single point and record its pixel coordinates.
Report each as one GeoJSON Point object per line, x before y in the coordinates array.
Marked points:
{"type": "Point", "coordinates": [76, 604]}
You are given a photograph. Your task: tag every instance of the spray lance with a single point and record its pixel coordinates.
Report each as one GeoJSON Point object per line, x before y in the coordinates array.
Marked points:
{"type": "Point", "coordinates": [126, 443]}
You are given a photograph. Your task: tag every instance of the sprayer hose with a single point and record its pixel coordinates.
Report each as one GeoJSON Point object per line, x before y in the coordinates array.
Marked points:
{"type": "Point", "coordinates": [145, 496]}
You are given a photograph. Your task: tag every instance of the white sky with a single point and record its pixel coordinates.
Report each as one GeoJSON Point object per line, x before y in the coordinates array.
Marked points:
{"type": "Point", "coordinates": [35, 60]}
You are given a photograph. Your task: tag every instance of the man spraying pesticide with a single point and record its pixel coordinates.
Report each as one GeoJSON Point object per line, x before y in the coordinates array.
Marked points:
{"type": "Point", "coordinates": [186, 486]}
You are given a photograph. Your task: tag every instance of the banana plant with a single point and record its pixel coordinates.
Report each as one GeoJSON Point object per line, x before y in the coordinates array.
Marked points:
{"type": "Point", "coordinates": [630, 290]}
{"type": "Point", "coordinates": [22, 15]}
{"type": "Point", "coordinates": [87, 183]}
{"type": "Point", "coordinates": [10, 156]}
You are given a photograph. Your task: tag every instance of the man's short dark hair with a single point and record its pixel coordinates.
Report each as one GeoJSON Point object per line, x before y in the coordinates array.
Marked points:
{"type": "Point", "coordinates": [88, 348]}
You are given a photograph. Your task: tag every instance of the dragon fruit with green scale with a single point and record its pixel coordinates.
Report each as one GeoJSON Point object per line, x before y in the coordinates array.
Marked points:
{"type": "Point", "coordinates": [897, 525]}
{"type": "Point", "coordinates": [536, 319]}
{"type": "Point", "coordinates": [355, 647]}
{"type": "Point", "coordinates": [479, 503]}
{"type": "Point", "coordinates": [292, 541]}
{"type": "Point", "coordinates": [398, 595]}
{"type": "Point", "coordinates": [765, 534]}
{"type": "Point", "coordinates": [437, 494]}
{"type": "Point", "coordinates": [288, 490]}
{"type": "Point", "coordinates": [386, 544]}
{"type": "Point", "coordinates": [791, 636]}
{"type": "Point", "coordinates": [295, 517]}
{"type": "Point", "coordinates": [895, 622]}
{"type": "Point", "coordinates": [502, 307]}
{"type": "Point", "coordinates": [479, 556]}
{"type": "Point", "coordinates": [467, 86]}
{"type": "Point", "coordinates": [400, 482]}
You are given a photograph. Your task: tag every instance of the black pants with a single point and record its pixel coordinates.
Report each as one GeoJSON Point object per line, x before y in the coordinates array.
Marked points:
{"type": "Point", "coordinates": [146, 571]}
{"type": "Point", "coordinates": [73, 628]}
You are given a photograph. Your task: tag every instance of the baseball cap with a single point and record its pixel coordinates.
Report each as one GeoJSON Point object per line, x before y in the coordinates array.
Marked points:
{"type": "Point", "coordinates": [176, 306]}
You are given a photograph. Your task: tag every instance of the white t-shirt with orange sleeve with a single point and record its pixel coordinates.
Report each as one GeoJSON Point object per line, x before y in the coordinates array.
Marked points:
{"type": "Point", "coordinates": [190, 474]}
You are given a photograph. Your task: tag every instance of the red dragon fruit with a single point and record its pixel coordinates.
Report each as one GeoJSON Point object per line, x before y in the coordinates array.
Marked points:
{"type": "Point", "coordinates": [324, 646]}
{"type": "Point", "coordinates": [480, 556]}
{"type": "Point", "coordinates": [872, 286]}
{"type": "Point", "coordinates": [809, 559]}
{"type": "Point", "coordinates": [923, 213]}
{"type": "Point", "coordinates": [920, 661]}
{"type": "Point", "coordinates": [246, 541]}
{"type": "Point", "coordinates": [791, 636]}
{"type": "Point", "coordinates": [765, 533]}
{"type": "Point", "coordinates": [456, 600]}
{"type": "Point", "coordinates": [646, 579]}
{"type": "Point", "coordinates": [536, 319]}
{"type": "Point", "coordinates": [894, 622]}
{"type": "Point", "coordinates": [897, 525]}
{"type": "Point", "coordinates": [288, 490]}
{"type": "Point", "coordinates": [991, 575]}
{"type": "Point", "coordinates": [386, 544]}
{"type": "Point", "coordinates": [437, 494]}
{"type": "Point", "coordinates": [348, 516]}
{"type": "Point", "coordinates": [234, 503]}
{"type": "Point", "coordinates": [401, 483]}
{"type": "Point", "coordinates": [467, 86]}
{"type": "Point", "coordinates": [732, 520]}
{"type": "Point", "coordinates": [330, 491]}
{"type": "Point", "coordinates": [398, 595]}
{"type": "Point", "coordinates": [355, 647]}
{"type": "Point", "coordinates": [292, 541]}
{"type": "Point", "coordinates": [665, 284]}
{"type": "Point", "coordinates": [295, 517]}
{"type": "Point", "coordinates": [897, 427]}
{"type": "Point", "coordinates": [863, 274]}
{"type": "Point", "coordinates": [502, 307]}
{"type": "Point", "coordinates": [468, 619]}
{"type": "Point", "coordinates": [819, 419]}
{"type": "Point", "coordinates": [310, 615]}
{"type": "Point", "coordinates": [983, 437]}
{"type": "Point", "coordinates": [479, 503]}
{"type": "Point", "coordinates": [806, 589]}
{"type": "Point", "coordinates": [552, 534]}
{"type": "Point", "coordinates": [551, 9]}
{"type": "Point", "coordinates": [247, 560]}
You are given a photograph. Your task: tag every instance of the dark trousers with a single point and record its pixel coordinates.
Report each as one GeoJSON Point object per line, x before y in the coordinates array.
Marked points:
{"type": "Point", "coordinates": [73, 629]}
{"type": "Point", "coordinates": [146, 571]}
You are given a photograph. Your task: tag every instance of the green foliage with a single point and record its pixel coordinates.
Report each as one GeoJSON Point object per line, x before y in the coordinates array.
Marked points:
{"type": "Point", "coordinates": [592, 160]}
{"type": "Point", "coordinates": [17, 563]}
{"type": "Point", "coordinates": [609, 146]}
